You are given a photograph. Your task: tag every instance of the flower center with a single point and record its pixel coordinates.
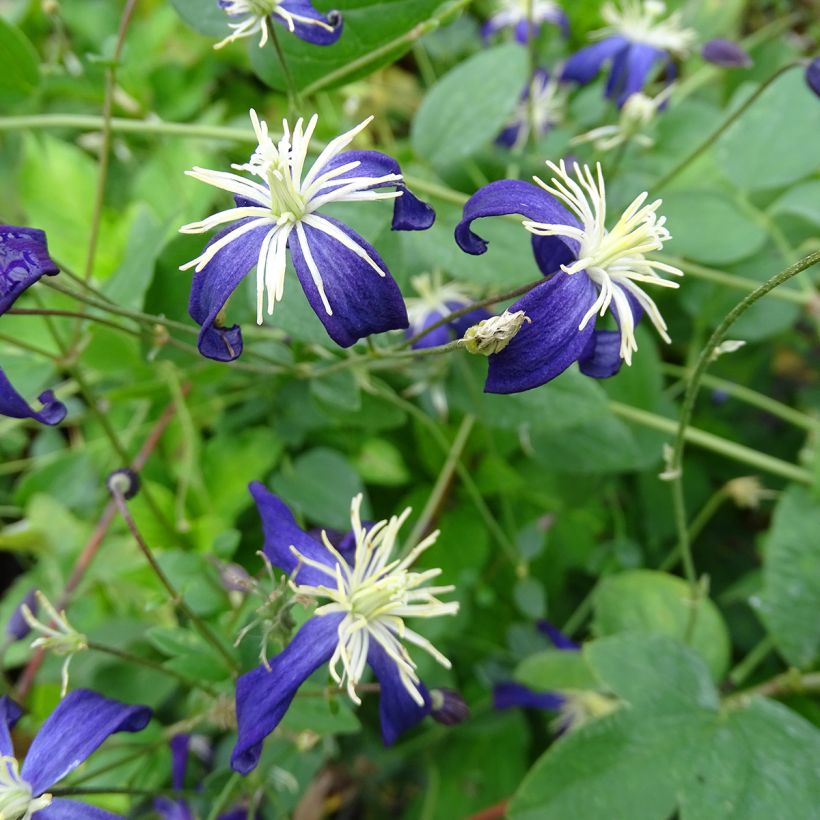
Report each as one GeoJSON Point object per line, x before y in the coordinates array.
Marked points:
{"type": "Point", "coordinates": [613, 259]}
{"type": "Point", "coordinates": [637, 20]}
{"type": "Point", "coordinates": [434, 296]}
{"type": "Point", "coordinates": [16, 802]}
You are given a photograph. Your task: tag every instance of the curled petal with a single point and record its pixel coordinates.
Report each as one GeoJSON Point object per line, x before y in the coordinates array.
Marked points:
{"type": "Point", "coordinates": [319, 35]}
{"type": "Point", "coordinates": [584, 65]}
{"type": "Point", "coordinates": [75, 729]}
{"type": "Point", "coordinates": [13, 405]}
{"type": "Point", "coordinates": [551, 342]}
{"type": "Point", "coordinates": [23, 260]}
{"type": "Point", "coordinates": [361, 300]}
{"type": "Point", "coordinates": [509, 695]}
{"type": "Point", "coordinates": [263, 697]}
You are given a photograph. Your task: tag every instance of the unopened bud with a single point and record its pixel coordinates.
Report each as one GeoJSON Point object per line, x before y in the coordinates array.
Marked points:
{"type": "Point", "coordinates": [234, 578]}
{"type": "Point", "coordinates": [123, 482]}
{"type": "Point", "coordinates": [17, 628]}
{"type": "Point", "coordinates": [748, 491]}
{"type": "Point", "coordinates": [725, 53]}
{"type": "Point", "coordinates": [494, 334]}
{"type": "Point", "coordinates": [729, 346]}
{"type": "Point", "coordinates": [448, 707]}
{"type": "Point", "coordinates": [813, 75]}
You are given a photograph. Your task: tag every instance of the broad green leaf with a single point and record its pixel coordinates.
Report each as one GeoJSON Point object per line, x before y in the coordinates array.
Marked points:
{"type": "Point", "coordinates": [530, 598]}
{"type": "Point", "coordinates": [19, 64]}
{"type": "Point", "coordinates": [381, 462]}
{"type": "Point", "coordinates": [556, 669]}
{"type": "Point", "coordinates": [204, 17]}
{"type": "Point", "coordinates": [647, 602]}
{"type": "Point", "coordinates": [802, 200]}
{"type": "Point", "coordinates": [312, 711]}
{"type": "Point", "coordinates": [467, 107]}
{"type": "Point", "coordinates": [791, 577]}
{"type": "Point", "coordinates": [771, 144]}
{"type": "Point", "coordinates": [369, 25]}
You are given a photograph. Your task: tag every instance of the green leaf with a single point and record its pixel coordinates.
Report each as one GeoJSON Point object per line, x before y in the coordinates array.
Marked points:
{"type": "Point", "coordinates": [320, 714]}
{"type": "Point", "coordinates": [530, 598]}
{"type": "Point", "coordinates": [556, 669]}
{"type": "Point", "coordinates": [467, 107]}
{"type": "Point", "coordinates": [368, 25]}
{"type": "Point", "coordinates": [770, 145]}
{"type": "Point", "coordinates": [653, 603]}
{"type": "Point", "coordinates": [19, 64]}
{"type": "Point", "coordinates": [204, 17]}
{"type": "Point", "coordinates": [802, 200]}
{"type": "Point", "coordinates": [381, 462]}
{"type": "Point", "coordinates": [791, 577]}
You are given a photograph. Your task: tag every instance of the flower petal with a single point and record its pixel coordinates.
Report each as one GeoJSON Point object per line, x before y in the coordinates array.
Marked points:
{"type": "Point", "coordinates": [362, 301]}
{"type": "Point", "coordinates": [558, 639]}
{"type": "Point", "coordinates": [584, 65]}
{"type": "Point", "coordinates": [630, 70]}
{"type": "Point", "coordinates": [72, 810]}
{"type": "Point", "coordinates": [409, 212]}
{"type": "Point", "coordinates": [551, 342]}
{"type": "Point", "coordinates": [602, 356]}
{"type": "Point", "coordinates": [512, 196]}
{"type": "Point", "coordinates": [439, 336]}
{"type": "Point", "coordinates": [509, 695]}
{"type": "Point", "coordinates": [281, 532]}
{"type": "Point", "coordinates": [397, 710]}
{"type": "Point", "coordinates": [169, 809]}
{"type": "Point", "coordinates": [23, 260]}
{"type": "Point", "coordinates": [263, 697]}
{"type": "Point", "coordinates": [82, 721]}
{"type": "Point", "coordinates": [13, 405]}
{"type": "Point", "coordinates": [212, 287]}
{"type": "Point", "coordinates": [463, 323]}
{"type": "Point", "coordinates": [9, 715]}
{"type": "Point", "coordinates": [311, 33]}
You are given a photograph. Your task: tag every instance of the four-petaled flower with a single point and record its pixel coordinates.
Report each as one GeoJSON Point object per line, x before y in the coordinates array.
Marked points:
{"type": "Point", "coordinates": [541, 107]}
{"type": "Point", "coordinates": [346, 282]}
{"type": "Point", "coordinates": [24, 260]}
{"type": "Point", "coordinates": [369, 594]}
{"type": "Point", "coordinates": [590, 269]}
{"type": "Point", "coordinates": [298, 16]}
{"type": "Point", "coordinates": [515, 14]}
{"type": "Point", "coordinates": [74, 730]}
{"type": "Point", "coordinates": [635, 41]}
{"type": "Point", "coordinates": [436, 300]}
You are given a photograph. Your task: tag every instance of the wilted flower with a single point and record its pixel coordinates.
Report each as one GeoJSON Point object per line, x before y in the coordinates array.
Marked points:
{"type": "Point", "coordinates": [298, 16]}
{"type": "Point", "coordinates": [24, 260]}
{"type": "Point", "coordinates": [345, 280]}
{"type": "Point", "coordinates": [492, 335]}
{"type": "Point", "coordinates": [635, 41]}
{"type": "Point", "coordinates": [448, 707]}
{"type": "Point", "coordinates": [436, 300]}
{"type": "Point", "coordinates": [748, 491]}
{"type": "Point", "coordinates": [515, 14]}
{"type": "Point", "coordinates": [591, 269]}
{"type": "Point", "coordinates": [542, 105]}
{"type": "Point", "coordinates": [369, 595]}
{"type": "Point", "coordinates": [74, 730]}
{"type": "Point", "coordinates": [725, 53]}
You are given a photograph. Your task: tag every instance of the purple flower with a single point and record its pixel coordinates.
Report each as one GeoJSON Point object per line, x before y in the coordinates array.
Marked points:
{"type": "Point", "coordinates": [345, 280]}
{"type": "Point", "coordinates": [542, 102]}
{"type": "Point", "coordinates": [813, 75]}
{"type": "Point", "coordinates": [75, 729]}
{"type": "Point", "coordinates": [435, 301]}
{"type": "Point", "coordinates": [17, 628]}
{"type": "Point", "coordinates": [515, 14]}
{"type": "Point", "coordinates": [590, 269]}
{"type": "Point", "coordinates": [725, 53]}
{"type": "Point", "coordinates": [298, 16]}
{"type": "Point", "coordinates": [635, 41]}
{"type": "Point", "coordinates": [370, 594]}
{"type": "Point", "coordinates": [23, 260]}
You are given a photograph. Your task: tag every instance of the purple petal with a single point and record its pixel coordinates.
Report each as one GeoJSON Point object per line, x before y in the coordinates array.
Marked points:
{"type": "Point", "coordinates": [509, 695]}
{"type": "Point", "coordinates": [71, 810]}
{"type": "Point", "coordinates": [509, 136]}
{"type": "Point", "coordinates": [9, 715]}
{"type": "Point", "coordinates": [512, 196]}
{"type": "Point", "coordinates": [602, 357]}
{"type": "Point", "coordinates": [631, 69]}
{"type": "Point", "coordinates": [522, 31]}
{"type": "Point", "coordinates": [558, 639]}
{"type": "Point", "coordinates": [397, 710]}
{"type": "Point", "coordinates": [490, 27]}
{"type": "Point", "coordinates": [214, 284]}
{"type": "Point", "coordinates": [263, 697]}
{"type": "Point", "coordinates": [23, 260]}
{"type": "Point", "coordinates": [463, 323]}
{"type": "Point", "coordinates": [318, 35]}
{"type": "Point", "coordinates": [439, 336]}
{"type": "Point", "coordinates": [584, 65]}
{"type": "Point", "coordinates": [13, 405]}
{"type": "Point", "coordinates": [179, 759]}
{"type": "Point", "coordinates": [82, 721]}
{"type": "Point", "coordinates": [725, 53]}
{"type": "Point", "coordinates": [409, 212]}
{"type": "Point", "coordinates": [813, 76]}
{"type": "Point", "coordinates": [548, 345]}
{"type": "Point", "coordinates": [17, 627]}
{"type": "Point", "coordinates": [362, 301]}
{"type": "Point", "coordinates": [169, 809]}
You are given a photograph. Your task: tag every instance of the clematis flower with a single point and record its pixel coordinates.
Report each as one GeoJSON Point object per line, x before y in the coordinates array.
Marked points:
{"type": "Point", "coordinates": [346, 282]}
{"type": "Point", "coordinates": [635, 41]}
{"type": "Point", "coordinates": [436, 300]}
{"type": "Point", "coordinates": [369, 594]}
{"type": "Point", "coordinates": [726, 54]}
{"type": "Point", "coordinates": [590, 267]}
{"type": "Point", "coordinates": [75, 729]}
{"type": "Point", "coordinates": [515, 14]}
{"type": "Point", "coordinates": [24, 260]}
{"type": "Point", "coordinates": [542, 104]}
{"type": "Point", "coordinates": [298, 16]}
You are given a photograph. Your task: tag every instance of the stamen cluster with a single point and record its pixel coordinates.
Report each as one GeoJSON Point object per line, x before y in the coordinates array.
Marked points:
{"type": "Point", "coordinates": [16, 801]}
{"type": "Point", "coordinates": [638, 20]}
{"type": "Point", "coordinates": [257, 14]}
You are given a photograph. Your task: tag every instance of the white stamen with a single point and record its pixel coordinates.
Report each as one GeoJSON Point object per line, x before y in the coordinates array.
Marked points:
{"type": "Point", "coordinates": [637, 20]}
{"type": "Point", "coordinates": [16, 800]}
{"type": "Point", "coordinates": [258, 12]}
{"type": "Point", "coordinates": [512, 12]}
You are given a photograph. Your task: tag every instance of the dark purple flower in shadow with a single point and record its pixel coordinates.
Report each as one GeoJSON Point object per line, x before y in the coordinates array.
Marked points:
{"type": "Point", "coordinates": [17, 628]}
{"type": "Point", "coordinates": [345, 280]}
{"type": "Point", "coordinates": [590, 270]}
{"type": "Point", "coordinates": [299, 17]}
{"type": "Point", "coordinates": [725, 53]}
{"type": "Point", "coordinates": [813, 75]}
{"type": "Point", "coordinates": [24, 260]}
{"type": "Point", "coordinates": [515, 15]}
{"type": "Point", "coordinates": [75, 729]}
{"type": "Point", "coordinates": [542, 104]}
{"type": "Point", "coordinates": [636, 40]}
{"type": "Point", "coordinates": [369, 593]}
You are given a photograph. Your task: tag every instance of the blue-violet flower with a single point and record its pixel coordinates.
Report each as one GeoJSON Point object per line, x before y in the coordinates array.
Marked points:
{"type": "Point", "coordinates": [515, 14]}
{"type": "Point", "coordinates": [541, 107]}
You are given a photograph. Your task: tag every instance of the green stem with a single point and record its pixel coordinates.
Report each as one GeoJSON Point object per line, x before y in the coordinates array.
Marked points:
{"type": "Point", "coordinates": [68, 791]}
{"type": "Point", "coordinates": [73, 314]}
{"type": "Point", "coordinates": [713, 137]}
{"type": "Point", "coordinates": [15, 342]}
{"type": "Point", "coordinates": [225, 796]}
{"type": "Point", "coordinates": [748, 665]}
{"type": "Point", "coordinates": [703, 517]}
{"type": "Point", "coordinates": [293, 94]}
{"type": "Point", "coordinates": [790, 682]}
